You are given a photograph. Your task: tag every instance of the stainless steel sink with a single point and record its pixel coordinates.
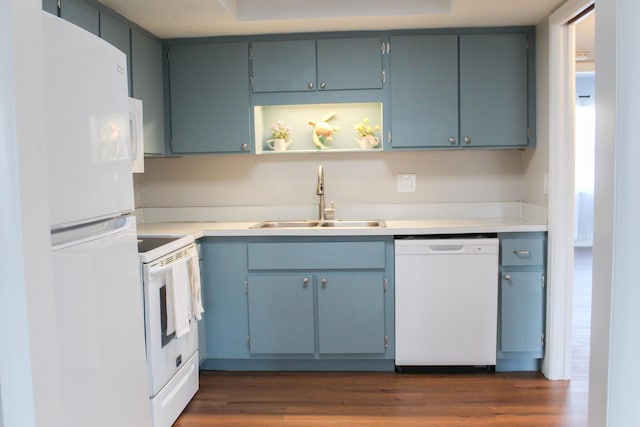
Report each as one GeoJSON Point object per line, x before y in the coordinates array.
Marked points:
{"type": "Point", "coordinates": [353, 223]}
{"type": "Point", "coordinates": [318, 223]}
{"type": "Point", "coordinates": [287, 224]}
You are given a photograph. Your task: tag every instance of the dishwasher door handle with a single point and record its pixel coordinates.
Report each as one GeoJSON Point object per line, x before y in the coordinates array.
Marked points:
{"type": "Point", "coordinates": [446, 248]}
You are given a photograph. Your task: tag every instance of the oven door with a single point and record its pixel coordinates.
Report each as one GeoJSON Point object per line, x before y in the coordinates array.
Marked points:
{"type": "Point", "coordinates": [166, 354]}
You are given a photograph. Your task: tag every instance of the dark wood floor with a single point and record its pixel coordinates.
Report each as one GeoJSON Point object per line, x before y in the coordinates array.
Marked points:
{"type": "Point", "coordinates": [389, 399]}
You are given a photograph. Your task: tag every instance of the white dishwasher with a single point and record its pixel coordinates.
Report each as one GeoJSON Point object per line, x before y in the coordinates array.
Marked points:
{"type": "Point", "coordinates": [446, 301]}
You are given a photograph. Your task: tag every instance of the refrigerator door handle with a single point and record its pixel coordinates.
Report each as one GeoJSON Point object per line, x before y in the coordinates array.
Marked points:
{"type": "Point", "coordinates": [80, 234]}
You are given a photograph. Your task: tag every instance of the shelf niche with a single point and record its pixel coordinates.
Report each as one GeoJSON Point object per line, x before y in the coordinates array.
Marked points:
{"type": "Point", "coordinates": [297, 117]}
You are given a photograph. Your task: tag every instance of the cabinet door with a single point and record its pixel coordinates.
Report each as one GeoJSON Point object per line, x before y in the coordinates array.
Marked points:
{"type": "Point", "coordinates": [349, 63]}
{"type": "Point", "coordinates": [284, 66]}
{"type": "Point", "coordinates": [82, 14]}
{"type": "Point", "coordinates": [521, 311]}
{"type": "Point", "coordinates": [50, 6]}
{"type": "Point", "coordinates": [493, 90]}
{"type": "Point", "coordinates": [147, 85]}
{"type": "Point", "coordinates": [424, 91]}
{"type": "Point", "coordinates": [281, 314]}
{"type": "Point", "coordinates": [210, 110]}
{"type": "Point", "coordinates": [116, 32]}
{"type": "Point", "coordinates": [224, 273]}
{"type": "Point", "coordinates": [351, 313]}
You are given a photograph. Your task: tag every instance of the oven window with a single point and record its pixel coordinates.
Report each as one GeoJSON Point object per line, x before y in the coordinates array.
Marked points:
{"type": "Point", "coordinates": [163, 318]}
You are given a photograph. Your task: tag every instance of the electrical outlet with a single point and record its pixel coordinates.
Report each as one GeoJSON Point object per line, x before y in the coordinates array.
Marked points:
{"type": "Point", "coordinates": [406, 183]}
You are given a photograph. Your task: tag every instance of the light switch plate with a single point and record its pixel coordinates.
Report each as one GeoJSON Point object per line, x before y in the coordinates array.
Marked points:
{"type": "Point", "coordinates": [406, 183]}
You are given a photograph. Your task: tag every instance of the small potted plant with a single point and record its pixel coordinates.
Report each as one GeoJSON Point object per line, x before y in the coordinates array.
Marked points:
{"type": "Point", "coordinates": [366, 138]}
{"type": "Point", "coordinates": [281, 134]}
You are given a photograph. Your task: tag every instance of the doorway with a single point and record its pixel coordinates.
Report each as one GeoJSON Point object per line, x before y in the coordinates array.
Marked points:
{"type": "Point", "coordinates": [584, 165]}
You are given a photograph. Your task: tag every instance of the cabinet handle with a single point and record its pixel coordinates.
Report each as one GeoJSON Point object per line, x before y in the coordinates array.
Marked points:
{"type": "Point", "coordinates": [324, 282]}
{"type": "Point", "coordinates": [467, 140]}
{"type": "Point", "coordinates": [310, 85]}
{"type": "Point", "coordinates": [522, 253]}
{"type": "Point", "coordinates": [507, 277]}
{"type": "Point", "coordinates": [323, 85]}
{"type": "Point", "coordinates": [452, 140]}
{"type": "Point", "coordinates": [305, 282]}
{"type": "Point", "coordinates": [244, 147]}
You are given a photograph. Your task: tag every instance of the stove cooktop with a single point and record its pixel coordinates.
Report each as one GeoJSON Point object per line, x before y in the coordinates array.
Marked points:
{"type": "Point", "coordinates": [154, 247]}
{"type": "Point", "coordinates": [146, 244]}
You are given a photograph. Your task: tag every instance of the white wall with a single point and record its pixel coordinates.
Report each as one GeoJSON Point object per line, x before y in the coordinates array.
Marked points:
{"type": "Point", "coordinates": [28, 354]}
{"type": "Point", "coordinates": [351, 178]}
{"type": "Point", "coordinates": [536, 162]}
{"type": "Point", "coordinates": [614, 392]}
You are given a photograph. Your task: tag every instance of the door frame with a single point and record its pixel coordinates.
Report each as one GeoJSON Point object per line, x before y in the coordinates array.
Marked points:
{"type": "Point", "coordinates": [557, 363]}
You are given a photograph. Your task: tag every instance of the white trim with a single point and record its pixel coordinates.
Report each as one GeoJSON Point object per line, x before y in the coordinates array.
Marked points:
{"type": "Point", "coordinates": [557, 363]}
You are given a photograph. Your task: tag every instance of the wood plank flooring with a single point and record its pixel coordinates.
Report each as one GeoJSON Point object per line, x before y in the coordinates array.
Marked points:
{"type": "Point", "coordinates": [405, 399]}
{"type": "Point", "coordinates": [374, 399]}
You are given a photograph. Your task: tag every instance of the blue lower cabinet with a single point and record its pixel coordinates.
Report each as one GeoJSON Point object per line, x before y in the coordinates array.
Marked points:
{"type": "Point", "coordinates": [522, 314]}
{"type": "Point", "coordinates": [522, 296]}
{"type": "Point", "coordinates": [281, 314]}
{"type": "Point", "coordinates": [224, 297]}
{"type": "Point", "coordinates": [292, 304]}
{"type": "Point", "coordinates": [351, 313]}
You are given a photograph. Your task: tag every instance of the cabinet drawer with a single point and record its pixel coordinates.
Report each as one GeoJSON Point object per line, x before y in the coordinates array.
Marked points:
{"type": "Point", "coordinates": [522, 252]}
{"type": "Point", "coordinates": [318, 255]}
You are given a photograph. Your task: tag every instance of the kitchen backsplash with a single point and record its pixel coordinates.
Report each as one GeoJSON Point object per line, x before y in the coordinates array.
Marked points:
{"type": "Point", "coordinates": [354, 178]}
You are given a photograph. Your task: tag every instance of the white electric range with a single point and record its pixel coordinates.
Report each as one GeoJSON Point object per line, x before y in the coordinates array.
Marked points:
{"type": "Point", "coordinates": [172, 362]}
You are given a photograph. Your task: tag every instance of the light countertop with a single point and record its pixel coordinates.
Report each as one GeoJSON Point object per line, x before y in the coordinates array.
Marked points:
{"type": "Point", "coordinates": [393, 228]}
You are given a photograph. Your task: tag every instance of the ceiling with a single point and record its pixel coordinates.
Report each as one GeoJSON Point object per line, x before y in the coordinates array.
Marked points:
{"type": "Point", "coordinates": [198, 18]}
{"type": "Point", "coordinates": [585, 41]}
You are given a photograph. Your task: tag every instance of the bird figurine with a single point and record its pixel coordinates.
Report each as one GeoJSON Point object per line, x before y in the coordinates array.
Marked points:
{"type": "Point", "coordinates": [323, 131]}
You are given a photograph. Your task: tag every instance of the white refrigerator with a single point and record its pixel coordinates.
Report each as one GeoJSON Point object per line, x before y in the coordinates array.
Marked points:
{"type": "Point", "coordinates": [98, 296]}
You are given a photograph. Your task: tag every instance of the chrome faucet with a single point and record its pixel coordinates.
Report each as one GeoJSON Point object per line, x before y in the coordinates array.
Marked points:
{"type": "Point", "coordinates": [322, 210]}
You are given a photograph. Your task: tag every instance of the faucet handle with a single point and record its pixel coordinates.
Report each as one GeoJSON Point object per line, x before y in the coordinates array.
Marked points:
{"type": "Point", "coordinates": [330, 211]}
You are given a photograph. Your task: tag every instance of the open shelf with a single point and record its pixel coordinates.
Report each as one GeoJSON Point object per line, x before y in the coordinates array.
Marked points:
{"type": "Point", "coordinates": [297, 117]}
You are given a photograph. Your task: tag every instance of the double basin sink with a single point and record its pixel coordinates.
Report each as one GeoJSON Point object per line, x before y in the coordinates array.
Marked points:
{"type": "Point", "coordinates": [316, 223]}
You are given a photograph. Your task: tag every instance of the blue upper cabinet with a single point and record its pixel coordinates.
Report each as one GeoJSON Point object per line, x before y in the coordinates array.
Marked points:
{"type": "Point", "coordinates": [81, 13]}
{"type": "Point", "coordinates": [284, 66]}
{"type": "Point", "coordinates": [144, 61]}
{"type": "Point", "coordinates": [468, 90]}
{"type": "Point", "coordinates": [209, 98]}
{"type": "Point", "coordinates": [350, 63]}
{"type": "Point", "coordinates": [310, 65]}
{"type": "Point", "coordinates": [50, 6]}
{"type": "Point", "coordinates": [424, 91]}
{"type": "Point", "coordinates": [116, 32]}
{"type": "Point", "coordinates": [147, 85]}
{"type": "Point", "coordinates": [493, 90]}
